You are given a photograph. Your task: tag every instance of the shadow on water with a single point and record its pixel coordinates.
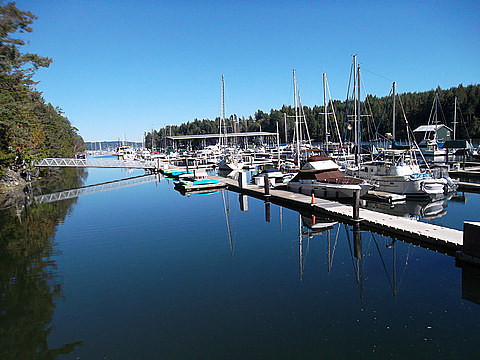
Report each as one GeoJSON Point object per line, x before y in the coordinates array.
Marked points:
{"type": "Point", "coordinates": [28, 280]}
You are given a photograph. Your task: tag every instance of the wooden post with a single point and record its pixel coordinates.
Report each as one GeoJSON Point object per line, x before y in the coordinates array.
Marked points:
{"type": "Point", "coordinates": [471, 238]}
{"type": "Point", "coordinates": [356, 205]}
{"type": "Point", "coordinates": [357, 241]}
{"type": "Point", "coordinates": [243, 199]}
{"type": "Point", "coordinates": [267, 211]}
{"type": "Point", "coordinates": [266, 184]}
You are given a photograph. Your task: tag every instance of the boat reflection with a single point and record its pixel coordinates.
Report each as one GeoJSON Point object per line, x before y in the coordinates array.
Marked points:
{"type": "Point", "coordinates": [416, 209]}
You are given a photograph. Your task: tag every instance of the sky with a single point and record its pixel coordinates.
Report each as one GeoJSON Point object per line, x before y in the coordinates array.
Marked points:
{"type": "Point", "coordinates": [123, 67]}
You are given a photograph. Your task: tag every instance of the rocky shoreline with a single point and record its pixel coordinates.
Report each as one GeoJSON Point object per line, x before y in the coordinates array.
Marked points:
{"type": "Point", "coordinates": [11, 179]}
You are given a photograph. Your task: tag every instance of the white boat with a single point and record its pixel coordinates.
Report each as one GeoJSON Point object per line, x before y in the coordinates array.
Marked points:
{"type": "Point", "coordinates": [125, 152]}
{"type": "Point", "coordinates": [229, 163]}
{"type": "Point", "coordinates": [398, 172]}
{"type": "Point", "coordinates": [321, 176]}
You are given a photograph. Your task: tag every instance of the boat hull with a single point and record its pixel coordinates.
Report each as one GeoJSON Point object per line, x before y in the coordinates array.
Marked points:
{"type": "Point", "coordinates": [327, 190]}
{"type": "Point", "coordinates": [411, 187]}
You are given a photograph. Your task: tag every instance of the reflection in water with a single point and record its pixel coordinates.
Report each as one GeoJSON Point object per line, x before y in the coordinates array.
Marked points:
{"type": "Point", "coordinates": [28, 281]}
{"type": "Point", "coordinates": [416, 209]}
{"type": "Point", "coordinates": [362, 245]}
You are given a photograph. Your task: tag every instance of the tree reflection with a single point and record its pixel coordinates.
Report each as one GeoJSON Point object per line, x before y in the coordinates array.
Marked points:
{"type": "Point", "coordinates": [29, 284]}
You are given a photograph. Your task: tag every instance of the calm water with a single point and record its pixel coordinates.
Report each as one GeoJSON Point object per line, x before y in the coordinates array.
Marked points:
{"type": "Point", "coordinates": [145, 273]}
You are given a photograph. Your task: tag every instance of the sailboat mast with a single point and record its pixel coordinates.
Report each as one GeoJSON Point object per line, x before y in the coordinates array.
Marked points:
{"type": "Point", "coordinates": [393, 133]}
{"type": "Point", "coordinates": [359, 136]}
{"type": "Point", "coordinates": [325, 112]}
{"type": "Point", "coordinates": [355, 127]}
{"type": "Point", "coordinates": [223, 107]}
{"type": "Point", "coordinates": [436, 117]}
{"type": "Point", "coordinates": [455, 120]}
{"type": "Point", "coordinates": [297, 137]}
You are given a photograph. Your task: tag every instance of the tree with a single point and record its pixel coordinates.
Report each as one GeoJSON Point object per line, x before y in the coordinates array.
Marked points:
{"type": "Point", "coordinates": [29, 127]}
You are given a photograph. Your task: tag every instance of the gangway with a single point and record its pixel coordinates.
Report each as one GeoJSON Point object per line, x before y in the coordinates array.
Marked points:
{"type": "Point", "coordinates": [97, 163]}
{"type": "Point", "coordinates": [91, 189]}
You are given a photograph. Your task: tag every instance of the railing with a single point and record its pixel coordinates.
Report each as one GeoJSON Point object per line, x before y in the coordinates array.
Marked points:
{"type": "Point", "coordinates": [112, 185]}
{"type": "Point", "coordinates": [97, 163]}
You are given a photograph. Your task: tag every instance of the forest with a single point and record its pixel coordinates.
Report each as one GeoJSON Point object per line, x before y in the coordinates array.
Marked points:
{"type": "Point", "coordinates": [377, 117]}
{"type": "Point", "coordinates": [30, 128]}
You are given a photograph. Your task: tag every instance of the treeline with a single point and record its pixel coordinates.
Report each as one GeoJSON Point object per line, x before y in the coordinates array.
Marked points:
{"type": "Point", "coordinates": [30, 128]}
{"type": "Point", "coordinates": [377, 117]}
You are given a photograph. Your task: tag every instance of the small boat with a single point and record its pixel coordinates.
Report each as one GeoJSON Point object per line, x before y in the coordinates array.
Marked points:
{"type": "Point", "coordinates": [125, 152]}
{"type": "Point", "coordinates": [275, 177]}
{"type": "Point", "coordinates": [230, 164]}
{"type": "Point", "coordinates": [321, 176]}
{"type": "Point", "coordinates": [185, 186]}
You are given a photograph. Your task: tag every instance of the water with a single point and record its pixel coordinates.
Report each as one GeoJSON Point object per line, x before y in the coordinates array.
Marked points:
{"type": "Point", "coordinates": [145, 273]}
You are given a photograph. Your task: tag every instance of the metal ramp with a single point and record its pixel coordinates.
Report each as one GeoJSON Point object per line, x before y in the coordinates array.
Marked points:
{"type": "Point", "coordinates": [112, 185]}
{"type": "Point", "coordinates": [96, 163]}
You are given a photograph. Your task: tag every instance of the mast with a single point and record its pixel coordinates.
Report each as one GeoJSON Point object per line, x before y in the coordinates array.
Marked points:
{"type": "Point", "coordinates": [393, 133]}
{"type": "Point", "coordinates": [355, 130]}
{"type": "Point", "coordinates": [436, 117]}
{"type": "Point", "coordinates": [285, 120]}
{"type": "Point", "coordinates": [455, 120]}
{"type": "Point", "coordinates": [325, 112]}
{"type": "Point", "coordinates": [222, 118]}
{"type": "Point", "coordinates": [359, 136]}
{"type": "Point", "coordinates": [278, 146]}
{"type": "Point", "coordinates": [296, 119]}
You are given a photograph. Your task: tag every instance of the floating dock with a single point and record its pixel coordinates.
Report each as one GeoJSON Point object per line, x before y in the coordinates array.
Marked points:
{"type": "Point", "coordinates": [382, 196]}
{"type": "Point", "coordinates": [441, 238]}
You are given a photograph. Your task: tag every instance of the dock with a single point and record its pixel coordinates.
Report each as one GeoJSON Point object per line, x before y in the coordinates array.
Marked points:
{"type": "Point", "coordinates": [438, 237]}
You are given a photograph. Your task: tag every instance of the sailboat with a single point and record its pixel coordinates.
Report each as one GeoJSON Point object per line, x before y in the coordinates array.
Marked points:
{"type": "Point", "coordinates": [228, 161]}
{"type": "Point", "coordinates": [430, 144]}
{"type": "Point", "coordinates": [396, 170]}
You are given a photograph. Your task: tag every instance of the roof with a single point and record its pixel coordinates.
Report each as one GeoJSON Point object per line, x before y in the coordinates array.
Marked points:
{"type": "Point", "coordinates": [457, 144]}
{"type": "Point", "coordinates": [213, 136]}
{"type": "Point", "coordinates": [428, 128]}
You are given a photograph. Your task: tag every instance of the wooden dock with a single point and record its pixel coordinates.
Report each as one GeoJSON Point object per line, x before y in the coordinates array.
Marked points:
{"type": "Point", "coordinates": [429, 235]}
{"type": "Point", "coordinates": [469, 187]}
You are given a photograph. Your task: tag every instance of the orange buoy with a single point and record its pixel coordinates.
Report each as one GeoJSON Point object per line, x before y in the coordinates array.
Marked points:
{"type": "Point", "coordinates": [314, 219]}
{"type": "Point", "coordinates": [313, 198]}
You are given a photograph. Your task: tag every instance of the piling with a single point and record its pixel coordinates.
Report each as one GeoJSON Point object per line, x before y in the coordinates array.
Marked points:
{"type": "Point", "coordinates": [356, 205]}
{"type": "Point", "coordinates": [266, 183]}
{"type": "Point", "coordinates": [242, 180]}
{"type": "Point", "coordinates": [243, 199]}
{"type": "Point", "coordinates": [267, 211]}
{"type": "Point", "coordinates": [471, 238]}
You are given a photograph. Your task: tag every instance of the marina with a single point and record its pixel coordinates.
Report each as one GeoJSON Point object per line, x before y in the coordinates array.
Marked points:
{"type": "Point", "coordinates": [186, 182]}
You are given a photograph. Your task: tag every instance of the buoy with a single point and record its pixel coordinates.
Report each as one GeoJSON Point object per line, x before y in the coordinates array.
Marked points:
{"type": "Point", "coordinates": [314, 219]}
{"type": "Point", "coordinates": [313, 198]}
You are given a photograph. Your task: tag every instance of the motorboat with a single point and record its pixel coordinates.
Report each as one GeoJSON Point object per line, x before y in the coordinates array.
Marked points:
{"type": "Point", "coordinates": [397, 171]}
{"type": "Point", "coordinates": [229, 163]}
{"type": "Point", "coordinates": [125, 152]}
{"type": "Point", "coordinates": [321, 176]}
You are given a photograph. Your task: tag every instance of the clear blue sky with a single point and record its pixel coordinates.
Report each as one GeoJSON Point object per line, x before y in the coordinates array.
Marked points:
{"type": "Point", "coordinates": [122, 66]}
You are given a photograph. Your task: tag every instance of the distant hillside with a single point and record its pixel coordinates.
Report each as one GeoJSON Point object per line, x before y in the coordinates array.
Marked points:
{"type": "Point", "coordinates": [417, 107]}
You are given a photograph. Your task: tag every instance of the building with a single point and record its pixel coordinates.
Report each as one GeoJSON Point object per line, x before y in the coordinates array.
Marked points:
{"type": "Point", "coordinates": [428, 132]}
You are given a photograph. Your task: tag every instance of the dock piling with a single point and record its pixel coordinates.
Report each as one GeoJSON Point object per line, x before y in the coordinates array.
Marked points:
{"type": "Point", "coordinates": [266, 184]}
{"type": "Point", "coordinates": [356, 205]}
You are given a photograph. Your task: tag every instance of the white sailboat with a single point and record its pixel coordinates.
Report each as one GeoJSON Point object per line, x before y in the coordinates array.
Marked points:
{"type": "Point", "coordinates": [229, 161]}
